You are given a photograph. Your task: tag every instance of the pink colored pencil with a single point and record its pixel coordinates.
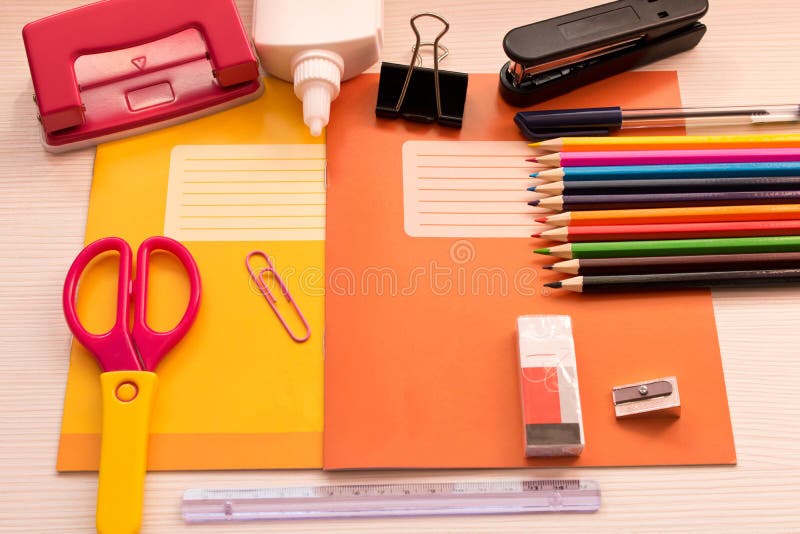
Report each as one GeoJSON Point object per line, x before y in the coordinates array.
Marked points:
{"type": "Point", "coordinates": [668, 157]}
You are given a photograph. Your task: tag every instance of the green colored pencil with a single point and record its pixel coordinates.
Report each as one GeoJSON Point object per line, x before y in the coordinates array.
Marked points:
{"type": "Point", "coordinates": [674, 247]}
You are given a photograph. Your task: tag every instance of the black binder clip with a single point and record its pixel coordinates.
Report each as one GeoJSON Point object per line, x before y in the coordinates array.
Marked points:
{"type": "Point", "coordinates": [420, 94]}
{"type": "Point", "coordinates": [555, 56]}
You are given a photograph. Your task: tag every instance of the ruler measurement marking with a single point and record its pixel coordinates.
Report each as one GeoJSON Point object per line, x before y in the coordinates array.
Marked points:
{"type": "Point", "coordinates": [382, 500]}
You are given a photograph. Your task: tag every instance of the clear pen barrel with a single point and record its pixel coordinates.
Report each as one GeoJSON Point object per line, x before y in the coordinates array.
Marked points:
{"type": "Point", "coordinates": [711, 116]}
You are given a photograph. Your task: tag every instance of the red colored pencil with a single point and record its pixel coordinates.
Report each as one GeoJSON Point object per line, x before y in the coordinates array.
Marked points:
{"type": "Point", "coordinates": [643, 232]}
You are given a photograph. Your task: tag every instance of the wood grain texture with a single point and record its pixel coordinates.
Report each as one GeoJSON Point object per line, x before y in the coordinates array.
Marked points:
{"type": "Point", "coordinates": [748, 56]}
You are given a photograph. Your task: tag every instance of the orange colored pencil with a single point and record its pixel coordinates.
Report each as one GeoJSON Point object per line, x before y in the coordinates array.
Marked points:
{"type": "Point", "coordinates": [774, 212]}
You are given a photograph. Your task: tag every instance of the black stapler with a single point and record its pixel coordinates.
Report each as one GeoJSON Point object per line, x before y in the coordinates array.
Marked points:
{"type": "Point", "coordinates": [555, 56]}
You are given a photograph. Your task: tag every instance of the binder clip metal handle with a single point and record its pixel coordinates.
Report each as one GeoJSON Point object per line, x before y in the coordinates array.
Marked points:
{"type": "Point", "coordinates": [414, 58]}
{"type": "Point", "coordinates": [425, 95]}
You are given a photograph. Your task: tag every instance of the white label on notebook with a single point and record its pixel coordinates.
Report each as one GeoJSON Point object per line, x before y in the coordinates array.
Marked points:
{"type": "Point", "coordinates": [468, 189]}
{"type": "Point", "coordinates": [246, 193]}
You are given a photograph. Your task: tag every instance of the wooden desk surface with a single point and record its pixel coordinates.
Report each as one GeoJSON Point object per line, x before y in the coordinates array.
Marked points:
{"type": "Point", "coordinates": [749, 56]}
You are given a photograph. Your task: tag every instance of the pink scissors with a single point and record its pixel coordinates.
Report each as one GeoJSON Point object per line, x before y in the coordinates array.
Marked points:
{"type": "Point", "coordinates": [128, 356]}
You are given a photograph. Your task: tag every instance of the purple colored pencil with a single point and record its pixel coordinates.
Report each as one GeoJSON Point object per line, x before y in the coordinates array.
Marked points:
{"type": "Point", "coordinates": [665, 200]}
{"type": "Point", "coordinates": [678, 264]}
{"type": "Point", "coordinates": [668, 157]}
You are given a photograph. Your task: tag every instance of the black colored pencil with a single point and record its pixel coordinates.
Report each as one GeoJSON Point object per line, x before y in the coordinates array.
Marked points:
{"type": "Point", "coordinates": [664, 281]}
{"type": "Point", "coordinates": [698, 185]}
{"type": "Point", "coordinates": [678, 264]}
{"type": "Point", "coordinates": [666, 200]}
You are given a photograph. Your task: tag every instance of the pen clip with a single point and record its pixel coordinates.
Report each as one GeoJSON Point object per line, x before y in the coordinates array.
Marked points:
{"type": "Point", "coordinates": [549, 124]}
{"type": "Point", "coordinates": [258, 278]}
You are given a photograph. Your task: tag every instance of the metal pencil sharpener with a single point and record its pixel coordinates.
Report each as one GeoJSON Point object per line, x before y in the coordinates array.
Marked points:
{"type": "Point", "coordinates": [658, 397]}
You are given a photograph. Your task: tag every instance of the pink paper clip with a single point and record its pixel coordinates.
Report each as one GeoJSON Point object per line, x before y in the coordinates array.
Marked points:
{"type": "Point", "coordinates": [270, 298]}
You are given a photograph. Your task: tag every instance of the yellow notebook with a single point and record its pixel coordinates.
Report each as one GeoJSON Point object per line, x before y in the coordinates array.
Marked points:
{"type": "Point", "coordinates": [237, 392]}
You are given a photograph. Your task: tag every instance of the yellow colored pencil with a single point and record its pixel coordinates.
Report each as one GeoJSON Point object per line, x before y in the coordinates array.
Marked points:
{"type": "Point", "coordinates": [668, 142]}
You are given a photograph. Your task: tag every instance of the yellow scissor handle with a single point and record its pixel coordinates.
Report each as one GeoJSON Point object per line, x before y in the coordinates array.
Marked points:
{"type": "Point", "coordinates": [127, 402]}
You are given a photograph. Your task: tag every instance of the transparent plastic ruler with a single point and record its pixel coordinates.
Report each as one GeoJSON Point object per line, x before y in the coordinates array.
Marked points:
{"type": "Point", "coordinates": [391, 500]}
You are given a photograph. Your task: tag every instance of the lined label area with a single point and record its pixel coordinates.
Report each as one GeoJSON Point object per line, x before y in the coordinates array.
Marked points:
{"type": "Point", "coordinates": [468, 189]}
{"type": "Point", "coordinates": [246, 193]}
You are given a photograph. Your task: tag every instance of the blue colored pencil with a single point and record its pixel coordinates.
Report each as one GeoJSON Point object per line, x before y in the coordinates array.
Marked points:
{"type": "Point", "coordinates": [661, 172]}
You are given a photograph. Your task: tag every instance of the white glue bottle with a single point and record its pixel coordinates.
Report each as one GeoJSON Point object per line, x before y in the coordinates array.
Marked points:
{"type": "Point", "coordinates": [316, 44]}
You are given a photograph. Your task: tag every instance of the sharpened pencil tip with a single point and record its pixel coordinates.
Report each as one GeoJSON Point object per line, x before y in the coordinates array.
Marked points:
{"type": "Point", "coordinates": [547, 267]}
{"type": "Point", "coordinates": [536, 235]}
{"type": "Point", "coordinates": [533, 175]}
{"type": "Point", "coordinates": [533, 203]}
{"type": "Point", "coordinates": [554, 285]}
{"type": "Point", "coordinates": [532, 188]}
{"type": "Point", "coordinates": [541, 220]}
{"type": "Point", "coordinates": [545, 251]}
{"type": "Point", "coordinates": [532, 160]}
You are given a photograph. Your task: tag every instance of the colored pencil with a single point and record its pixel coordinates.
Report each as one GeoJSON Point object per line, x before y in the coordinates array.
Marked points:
{"type": "Point", "coordinates": [665, 200]}
{"type": "Point", "coordinates": [667, 157]}
{"type": "Point", "coordinates": [641, 232]}
{"type": "Point", "coordinates": [668, 142]}
{"type": "Point", "coordinates": [593, 187]}
{"type": "Point", "coordinates": [678, 264]}
{"type": "Point", "coordinates": [640, 282]}
{"type": "Point", "coordinates": [661, 172]}
{"type": "Point", "coordinates": [775, 212]}
{"type": "Point", "coordinates": [674, 247]}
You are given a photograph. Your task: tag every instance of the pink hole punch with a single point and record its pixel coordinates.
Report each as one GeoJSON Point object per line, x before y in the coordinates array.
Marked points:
{"type": "Point", "coordinates": [119, 67]}
{"type": "Point", "coordinates": [258, 278]}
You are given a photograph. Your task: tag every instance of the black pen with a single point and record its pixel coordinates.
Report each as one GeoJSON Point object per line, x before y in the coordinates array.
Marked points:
{"type": "Point", "coordinates": [548, 124]}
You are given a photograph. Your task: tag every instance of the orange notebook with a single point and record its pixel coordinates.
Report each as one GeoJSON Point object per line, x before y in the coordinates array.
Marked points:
{"type": "Point", "coordinates": [428, 268]}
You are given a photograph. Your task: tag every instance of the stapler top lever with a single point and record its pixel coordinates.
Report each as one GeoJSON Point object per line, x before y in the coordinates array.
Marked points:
{"type": "Point", "coordinates": [557, 55]}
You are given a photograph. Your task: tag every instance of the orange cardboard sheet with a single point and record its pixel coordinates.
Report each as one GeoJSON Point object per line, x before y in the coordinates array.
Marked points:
{"type": "Point", "coordinates": [236, 392]}
{"type": "Point", "coordinates": [421, 365]}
